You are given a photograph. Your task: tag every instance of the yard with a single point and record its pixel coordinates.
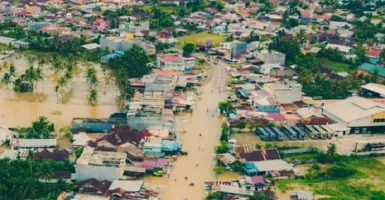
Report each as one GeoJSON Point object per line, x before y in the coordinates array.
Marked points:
{"type": "Point", "coordinates": [336, 66]}
{"type": "Point", "coordinates": [365, 184]}
{"type": "Point", "coordinates": [200, 38]}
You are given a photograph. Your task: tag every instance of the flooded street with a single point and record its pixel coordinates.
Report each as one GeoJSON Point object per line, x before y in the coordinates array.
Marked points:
{"type": "Point", "coordinates": [20, 109]}
{"type": "Point", "coordinates": [198, 165]}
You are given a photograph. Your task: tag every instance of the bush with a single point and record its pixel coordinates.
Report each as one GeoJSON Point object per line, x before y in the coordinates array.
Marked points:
{"type": "Point", "coordinates": [219, 169]}
{"type": "Point", "coordinates": [340, 171]}
{"type": "Point", "coordinates": [222, 148]}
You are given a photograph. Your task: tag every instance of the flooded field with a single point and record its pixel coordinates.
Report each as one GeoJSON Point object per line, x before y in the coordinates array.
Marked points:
{"type": "Point", "coordinates": [18, 109]}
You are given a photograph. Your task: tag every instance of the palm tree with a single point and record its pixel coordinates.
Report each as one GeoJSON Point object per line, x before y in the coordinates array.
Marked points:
{"type": "Point", "coordinates": [93, 97]}
{"type": "Point", "coordinates": [39, 75]}
{"type": "Point", "coordinates": [30, 75]}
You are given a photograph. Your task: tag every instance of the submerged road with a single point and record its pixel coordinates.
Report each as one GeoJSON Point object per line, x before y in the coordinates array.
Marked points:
{"type": "Point", "coordinates": [198, 165]}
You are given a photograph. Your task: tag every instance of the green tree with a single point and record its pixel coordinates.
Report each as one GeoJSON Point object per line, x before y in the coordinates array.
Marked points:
{"type": "Point", "coordinates": [219, 169]}
{"type": "Point", "coordinates": [188, 49]}
{"type": "Point", "coordinates": [222, 148]}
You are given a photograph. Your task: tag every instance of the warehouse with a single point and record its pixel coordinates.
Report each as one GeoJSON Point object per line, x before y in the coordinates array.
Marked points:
{"type": "Point", "coordinates": [360, 115]}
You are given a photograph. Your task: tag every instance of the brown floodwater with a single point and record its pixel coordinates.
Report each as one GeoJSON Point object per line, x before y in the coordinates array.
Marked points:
{"type": "Point", "coordinates": [20, 109]}
{"type": "Point", "coordinates": [198, 165]}
{"type": "Point", "coordinates": [20, 113]}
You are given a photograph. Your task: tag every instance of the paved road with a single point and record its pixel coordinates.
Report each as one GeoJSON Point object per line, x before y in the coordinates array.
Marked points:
{"type": "Point", "coordinates": [198, 165]}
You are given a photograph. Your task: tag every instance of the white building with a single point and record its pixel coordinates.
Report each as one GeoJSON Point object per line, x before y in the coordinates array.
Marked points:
{"type": "Point", "coordinates": [34, 144]}
{"type": "Point", "coordinates": [170, 62]}
{"type": "Point", "coordinates": [117, 43]}
{"type": "Point", "coordinates": [100, 165]}
{"type": "Point", "coordinates": [359, 114]}
{"type": "Point", "coordinates": [286, 92]}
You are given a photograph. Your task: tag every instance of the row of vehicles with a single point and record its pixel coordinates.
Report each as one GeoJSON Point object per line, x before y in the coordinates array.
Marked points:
{"type": "Point", "coordinates": [295, 132]}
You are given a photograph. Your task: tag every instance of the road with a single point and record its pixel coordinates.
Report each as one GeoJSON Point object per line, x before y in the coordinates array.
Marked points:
{"type": "Point", "coordinates": [198, 165]}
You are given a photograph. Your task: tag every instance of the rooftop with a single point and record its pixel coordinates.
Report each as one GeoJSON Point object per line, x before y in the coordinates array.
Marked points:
{"type": "Point", "coordinates": [128, 186]}
{"type": "Point", "coordinates": [272, 165]}
{"type": "Point", "coordinates": [353, 108]}
{"type": "Point", "coordinates": [374, 87]}
{"type": "Point", "coordinates": [372, 68]}
{"type": "Point", "coordinates": [102, 158]}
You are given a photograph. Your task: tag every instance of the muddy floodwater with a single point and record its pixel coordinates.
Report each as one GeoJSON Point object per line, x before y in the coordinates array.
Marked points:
{"type": "Point", "coordinates": [198, 165]}
{"type": "Point", "coordinates": [20, 109]}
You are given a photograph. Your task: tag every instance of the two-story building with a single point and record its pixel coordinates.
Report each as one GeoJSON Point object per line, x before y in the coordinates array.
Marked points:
{"type": "Point", "coordinates": [101, 165]}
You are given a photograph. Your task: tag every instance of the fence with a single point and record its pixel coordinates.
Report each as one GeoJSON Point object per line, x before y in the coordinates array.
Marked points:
{"type": "Point", "coordinates": [300, 150]}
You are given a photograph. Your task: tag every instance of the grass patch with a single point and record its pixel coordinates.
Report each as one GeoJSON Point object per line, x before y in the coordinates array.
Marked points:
{"type": "Point", "coordinates": [370, 177]}
{"type": "Point", "coordinates": [200, 67]}
{"type": "Point", "coordinates": [302, 157]}
{"type": "Point", "coordinates": [336, 66]}
{"type": "Point", "coordinates": [166, 8]}
{"type": "Point", "coordinates": [200, 38]}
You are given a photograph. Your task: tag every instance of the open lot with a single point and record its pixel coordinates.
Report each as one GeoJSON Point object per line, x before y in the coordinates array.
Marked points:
{"type": "Point", "coordinates": [201, 38]}
{"type": "Point", "coordinates": [336, 66]}
{"type": "Point", "coordinates": [368, 181]}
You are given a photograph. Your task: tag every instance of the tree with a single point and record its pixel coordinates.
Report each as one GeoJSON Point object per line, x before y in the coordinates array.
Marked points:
{"type": "Point", "coordinates": [219, 169]}
{"type": "Point", "coordinates": [222, 148]}
{"type": "Point", "coordinates": [340, 171]}
{"type": "Point", "coordinates": [93, 97]}
{"type": "Point", "coordinates": [215, 196]}
{"type": "Point", "coordinates": [188, 49]}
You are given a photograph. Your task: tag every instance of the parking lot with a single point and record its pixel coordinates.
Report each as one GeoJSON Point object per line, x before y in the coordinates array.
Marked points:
{"type": "Point", "coordinates": [345, 144]}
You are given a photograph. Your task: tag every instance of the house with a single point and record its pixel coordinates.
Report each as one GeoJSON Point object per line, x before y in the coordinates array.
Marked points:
{"type": "Point", "coordinates": [301, 195]}
{"type": "Point", "coordinates": [372, 90]}
{"type": "Point", "coordinates": [250, 155]}
{"type": "Point", "coordinates": [366, 69]}
{"type": "Point", "coordinates": [93, 186]}
{"type": "Point", "coordinates": [99, 25]}
{"type": "Point", "coordinates": [380, 36]}
{"type": "Point", "coordinates": [5, 134]}
{"type": "Point", "coordinates": [57, 155]}
{"type": "Point", "coordinates": [374, 56]}
{"type": "Point", "coordinates": [117, 43]}
{"type": "Point", "coordinates": [305, 17]}
{"type": "Point", "coordinates": [100, 165]}
{"type": "Point", "coordinates": [265, 105]}
{"type": "Point", "coordinates": [285, 92]}
{"type": "Point", "coordinates": [267, 167]}
{"type": "Point", "coordinates": [171, 62]}
{"type": "Point", "coordinates": [6, 40]}
{"type": "Point", "coordinates": [274, 57]}
{"type": "Point", "coordinates": [81, 139]}
{"type": "Point", "coordinates": [346, 50]}
{"type": "Point", "coordinates": [359, 114]}
{"type": "Point", "coordinates": [153, 147]}
{"type": "Point", "coordinates": [335, 25]}
{"type": "Point", "coordinates": [34, 144]}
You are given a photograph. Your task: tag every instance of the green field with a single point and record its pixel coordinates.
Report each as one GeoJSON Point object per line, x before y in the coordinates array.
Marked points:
{"type": "Point", "coordinates": [169, 9]}
{"type": "Point", "coordinates": [365, 184]}
{"type": "Point", "coordinates": [336, 66]}
{"type": "Point", "coordinates": [201, 38]}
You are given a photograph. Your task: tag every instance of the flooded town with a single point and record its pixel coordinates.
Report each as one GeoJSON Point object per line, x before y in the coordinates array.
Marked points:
{"type": "Point", "coordinates": [192, 100]}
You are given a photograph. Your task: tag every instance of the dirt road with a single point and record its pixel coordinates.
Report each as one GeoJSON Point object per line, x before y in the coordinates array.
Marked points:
{"type": "Point", "coordinates": [198, 165]}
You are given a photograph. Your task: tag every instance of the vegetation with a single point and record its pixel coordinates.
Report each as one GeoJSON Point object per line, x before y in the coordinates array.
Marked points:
{"type": "Point", "coordinates": [201, 39]}
{"type": "Point", "coordinates": [188, 49]}
{"type": "Point", "coordinates": [41, 128]}
{"type": "Point", "coordinates": [133, 64]}
{"type": "Point", "coordinates": [23, 179]}
{"type": "Point", "coordinates": [93, 81]}
{"type": "Point", "coordinates": [342, 177]}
